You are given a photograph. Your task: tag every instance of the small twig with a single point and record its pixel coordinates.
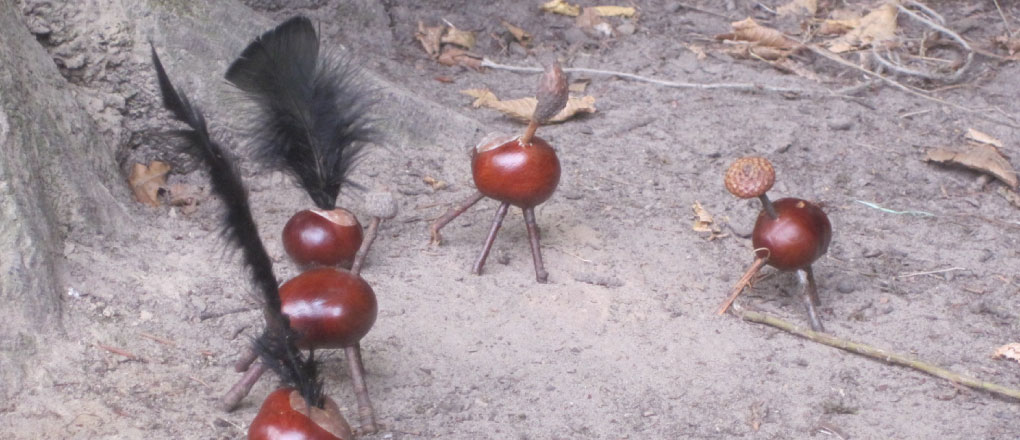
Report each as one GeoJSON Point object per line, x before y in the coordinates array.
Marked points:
{"type": "Point", "coordinates": [930, 272]}
{"type": "Point", "coordinates": [1005, 23]}
{"type": "Point", "coordinates": [878, 354]}
{"type": "Point", "coordinates": [703, 11]}
{"type": "Point", "coordinates": [212, 315]}
{"type": "Point", "coordinates": [121, 352]}
{"type": "Point", "coordinates": [163, 341]}
{"type": "Point", "coordinates": [948, 32]}
{"type": "Point", "coordinates": [741, 284]}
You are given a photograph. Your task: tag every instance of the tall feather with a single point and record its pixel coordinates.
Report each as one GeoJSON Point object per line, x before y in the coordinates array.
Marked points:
{"type": "Point", "coordinates": [310, 117]}
{"type": "Point", "coordinates": [277, 344]}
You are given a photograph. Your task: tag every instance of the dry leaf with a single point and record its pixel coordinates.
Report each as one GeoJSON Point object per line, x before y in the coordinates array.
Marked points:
{"type": "Point", "coordinates": [980, 157]}
{"type": "Point", "coordinates": [436, 184]}
{"type": "Point", "coordinates": [561, 7]}
{"type": "Point", "coordinates": [146, 181]}
{"type": "Point", "coordinates": [838, 27]}
{"type": "Point", "coordinates": [796, 7]}
{"type": "Point", "coordinates": [522, 109]}
{"type": "Point", "coordinates": [615, 11]}
{"type": "Point", "coordinates": [983, 138]}
{"type": "Point", "coordinates": [1012, 45]}
{"type": "Point", "coordinates": [592, 24]}
{"type": "Point", "coordinates": [703, 221]}
{"type": "Point", "coordinates": [579, 86]}
{"type": "Point", "coordinates": [465, 39]}
{"type": "Point", "coordinates": [1009, 351]}
{"type": "Point", "coordinates": [519, 34]}
{"type": "Point", "coordinates": [750, 30]}
{"type": "Point", "coordinates": [453, 56]}
{"type": "Point", "coordinates": [430, 38]}
{"type": "Point", "coordinates": [878, 26]}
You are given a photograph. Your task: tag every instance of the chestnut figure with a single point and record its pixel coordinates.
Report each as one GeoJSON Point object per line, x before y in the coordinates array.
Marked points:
{"type": "Point", "coordinates": [315, 237]}
{"type": "Point", "coordinates": [522, 171]}
{"type": "Point", "coordinates": [328, 308]}
{"type": "Point", "coordinates": [789, 234]}
{"type": "Point", "coordinates": [285, 414]}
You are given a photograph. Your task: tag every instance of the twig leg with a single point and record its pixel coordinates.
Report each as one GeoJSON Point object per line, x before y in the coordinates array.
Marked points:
{"type": "Point", "coordinates": [240, 390]}
{"type": "Point", "coordinates": [536, 247]}
{"type": "Point", "coordinates": [739, 287]}
{"type": "Point", "coordinates": [452, 214]}
{"type": "Point", "coordinates": [496, 223]}
{"type": "Point", "coordinates": [810, 296]}
{"type": "Point", "coordinates": [357, 371]}
{"type": "Point", "coordinates": [370, 233]}
{"type": "Point", "coordinates": [246, 360]}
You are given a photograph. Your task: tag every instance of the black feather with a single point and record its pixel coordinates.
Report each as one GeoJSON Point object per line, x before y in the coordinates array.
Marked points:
{"type": "Point", "coordinates": [277, 344]}
{"type": "Point", "coordinates": [311, 109]}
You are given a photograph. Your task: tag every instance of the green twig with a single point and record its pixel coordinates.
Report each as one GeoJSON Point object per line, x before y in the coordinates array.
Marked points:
{"type": "Point", "coordinates": [893, 211]}
{"type": "Point", "coordinates": [877, 353]}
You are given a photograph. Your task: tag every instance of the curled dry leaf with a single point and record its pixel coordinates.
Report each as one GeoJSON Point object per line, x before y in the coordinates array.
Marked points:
{"type": "Point", "coordinates": [981, 157]}
{"type": "Point", "coordinates": [703, 221]}
{"type": "Point", "coordinates": [561, 7]}
{"type": "Point", "coordinates": [522, 109]}
{"type": "Point", "coordinates": [798, 7]}
{"type": "Point", "coordinates": [430, 38]}
{"type": "Point", "coordinates": [146, 181]}
{"type": "Point", "coordinates": [750, 31]}
{"type": "Point", "coordinates": [579, 86]}
{"type": "Point", "coordinates": [522, 36]}
{"type": "Point", "coordinates": [982, 138]}
{"type": "Point", "coordinates": [465, 39]}
{"type": "Point", "coordinates": [876, 27]}
{"type": "Point", "coordinates": [453, 56]}
{"type": "Point", "coordinates": [1008, 351]}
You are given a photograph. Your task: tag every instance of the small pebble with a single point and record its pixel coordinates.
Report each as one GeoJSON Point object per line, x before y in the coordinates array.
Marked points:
{"type": "Point", "coordinates": [626, 29]}
{"type": "Point", "coordinates": [845, 286]}
{"type": "Point", "coordinates": [841, 124]}
{"type": "Point", "coordinates": [987, 255]}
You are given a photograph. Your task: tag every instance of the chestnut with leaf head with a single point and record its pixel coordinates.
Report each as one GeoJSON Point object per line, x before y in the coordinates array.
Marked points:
{"type": "Point", "coordinates": [790, 234]}
{"type": "Point", "coordinates": [521, 171]}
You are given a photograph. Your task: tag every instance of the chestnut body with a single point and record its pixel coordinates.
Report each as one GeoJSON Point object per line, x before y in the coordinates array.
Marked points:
{"type": "Point", "coordinates": [330, 308]}
{"type": "Point", "coordinates": [798, 237]}
{"type": "Point", "coordinates": [279, 419]}
{"type": "Point", "coordinates": [324, 238]}
{"type": "Point", "coordinates": [524, 175]}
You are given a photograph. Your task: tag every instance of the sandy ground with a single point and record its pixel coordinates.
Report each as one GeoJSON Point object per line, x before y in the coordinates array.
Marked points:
{"type": "Point", "coordinates": [623, 342]}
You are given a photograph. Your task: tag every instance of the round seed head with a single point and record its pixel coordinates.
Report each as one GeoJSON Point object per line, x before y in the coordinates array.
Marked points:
{"type": "Point", "coordinates": [380, 204]}
{"type": "Point", "coordinates": [750, 177]}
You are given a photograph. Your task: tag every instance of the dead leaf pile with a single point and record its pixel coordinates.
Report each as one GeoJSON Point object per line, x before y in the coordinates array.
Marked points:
{"type": "Point", "coordinates": [981, 154]}
{"type": "Point", "coordinates": [449, 45]}
{"type": "Point", "coordinates": [878, 26]}
{"type": "Point", "coordinates": [1008, 351]}
{"type": "Point", "coordinates": [758, 41]}
{"type": "Point", "coordinates": [522, 109]}
{"type": "Point", "coordinates": [146, 181]}
{"type": "Point", "coordinates": [704, 222]}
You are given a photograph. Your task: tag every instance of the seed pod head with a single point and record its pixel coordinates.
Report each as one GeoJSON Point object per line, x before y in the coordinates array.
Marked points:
{"type": "Point", "coordinates": [380, 204]}
{"type": "Point", "coordinates": [552, 93]}
{"type": "Point", "coordinates": [750, 177]}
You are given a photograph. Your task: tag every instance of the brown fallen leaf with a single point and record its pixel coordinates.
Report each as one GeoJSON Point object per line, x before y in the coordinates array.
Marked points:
{"type": "Point", "coordinates": [522, 36]}
{"type": "Point", "coordinates": [146, 181]}
{"type": "Point", "coordinates": [798, 7]}
{"type": "Point", "coordinates": [981, 137]}
{"type": "Point", "coordinates": [750, 31]}
{"type": "Point", "coordinates": [465, 39]}
{"type": "Point", "coordinates": [454, 56]}
{"type": "Point", "coordinates": [430, 38]}
{"type": "Point", "coordinates": [1008, 351]}
{"type": "Point", "coordinates": [980, 157]}
{"type": "Point", "coordinates": [592, 24]}
{"type": "Point", "coordinates": [561, 7]}
{"type": "Point", "coordinates": [703, 221]}
{"type": "Point", "coordinates": [579, 86]}
{"type": "Point", "coordinates": [877, 26]}
{"type": "Point", "coordinates": [522, 109]}
{"type": "Point", "coordinates": [615, 11]}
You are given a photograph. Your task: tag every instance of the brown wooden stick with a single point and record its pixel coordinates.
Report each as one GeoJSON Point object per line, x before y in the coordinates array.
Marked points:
{"type": "Point", "coordinates": [529, 132]}
{"type": "Point", "coordinates": [240, 390]}
{"type": "Point", "coordinates": [739, 287]}
{"type": "Point", "coordinates": [452, 214]}
{"type": "Point", "coordinates": [370, 233]}
{"type": "Point", "coordinates": [536, 246]}
{"type": "Point", "coordinates": [357, 372]}
{"type": "Point", "coordinates": [878, 354]}
{"type": "Point", "coordinates": [496, 223]}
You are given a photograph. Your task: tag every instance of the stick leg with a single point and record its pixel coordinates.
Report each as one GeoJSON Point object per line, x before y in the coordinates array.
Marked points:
{"type": "Point", "coordinates": [496, 223]}
{"type": "Point", "coordinates": [240, 390]}
{"type": "Point", "coordinates": [810, 296]}
{"type": "Point", "coordinates": [452, 214]}
{"type": "Point", "coordinates": [370, 234]}
{"type": "Point", "coordinates": [246, 360]}
{"type": "Point", "coordinates": [536, 246]}
{"type": "Point", "coordinates": [739, 287]}
{"type": "Point", "coordinates": [357, 371]}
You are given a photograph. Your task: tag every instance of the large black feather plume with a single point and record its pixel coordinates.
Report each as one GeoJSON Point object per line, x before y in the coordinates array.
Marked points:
{"type": "Point", "coordinates": [310, 117]}
{"type": "Point", "coordinates": [277, 344]}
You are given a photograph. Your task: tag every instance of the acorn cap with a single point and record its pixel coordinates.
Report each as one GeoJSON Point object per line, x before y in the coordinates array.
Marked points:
{"type": "Point", "coordinates": [750, 177]}
{"type": "Point", "coordinates": [380, 204]}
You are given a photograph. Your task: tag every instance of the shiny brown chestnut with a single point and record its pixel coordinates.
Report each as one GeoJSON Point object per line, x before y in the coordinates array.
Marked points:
{"type": "Point", "coordinates": [522, 171]}
{"type": "Point", "coordinates": [329, 308]}
{"type": "Point", "coordinates": [316, 237]}
{"type": "Point", "coordinates": [285, 415]}
{"type": "Point", "coordinates": [789, 234]}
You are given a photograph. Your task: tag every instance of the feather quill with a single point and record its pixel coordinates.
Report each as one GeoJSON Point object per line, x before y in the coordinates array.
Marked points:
{"type": "Point", "coordinates": [277, 344]}
{"type": "Point", "coordinates": [310, 117]}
